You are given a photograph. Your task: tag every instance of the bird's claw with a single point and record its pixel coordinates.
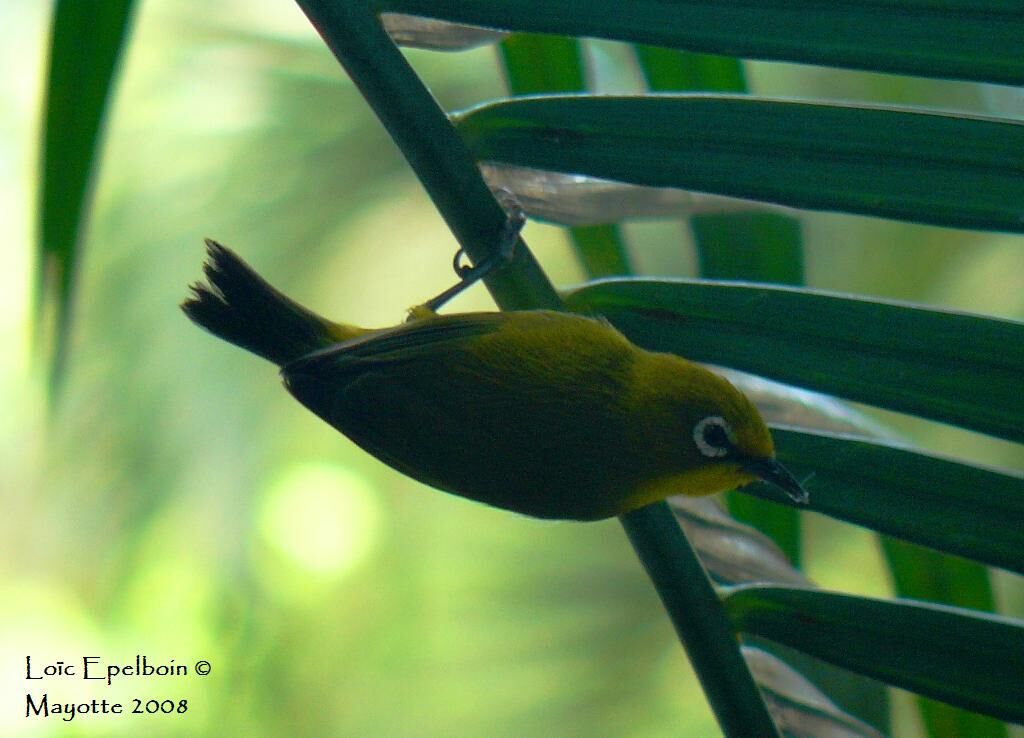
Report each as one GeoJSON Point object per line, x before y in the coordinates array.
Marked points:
{"type": "Point", "coordinates": [500, 257]}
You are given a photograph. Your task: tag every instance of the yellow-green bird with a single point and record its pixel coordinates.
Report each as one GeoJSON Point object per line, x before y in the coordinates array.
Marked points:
{"type": "Point", "coordinates": [544, 413]}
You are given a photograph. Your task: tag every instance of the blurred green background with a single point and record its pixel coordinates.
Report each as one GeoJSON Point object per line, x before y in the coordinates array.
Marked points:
{"type": "Point", "coordinates": [178, 504]}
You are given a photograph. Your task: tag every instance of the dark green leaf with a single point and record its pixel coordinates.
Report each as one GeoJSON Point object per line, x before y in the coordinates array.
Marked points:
{"type": "Point", "coordinates": [968, 659]}
{"type": "Point", "coordinates": [957, 508]}
{"type": "Point", "coordinates": [667, 70]}
{"type": "Point", "coordinates": [969, 39]}
{"type": "Point", "coordinates": [86, 40]}
{"type": "Point", "coordinates": [760, 247]}
{"type": "Point", "coordinates": [601, 250]}
{"type": "Point", "coordinates": [535, 63]}
{"type": "Point", "coordinates": [889, 162]}
{"type": "Point", "coordinates": [542, 64]}
{"type": "Point", "coordinates": [923, 574]}
{"type": "Point", "coordinates": [946, 721]}
{"type": "Point", "coordinates": [948, 366]}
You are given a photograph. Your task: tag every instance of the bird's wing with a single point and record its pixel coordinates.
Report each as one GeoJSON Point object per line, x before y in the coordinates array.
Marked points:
{"type": "Point", "coordinates": [378, 391]}
{"type": "Point", "coordinates": [407, 341]}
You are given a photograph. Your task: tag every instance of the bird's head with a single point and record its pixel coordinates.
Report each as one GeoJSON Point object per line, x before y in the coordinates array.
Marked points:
{"type": "Point", "coordinates": [713, 438]}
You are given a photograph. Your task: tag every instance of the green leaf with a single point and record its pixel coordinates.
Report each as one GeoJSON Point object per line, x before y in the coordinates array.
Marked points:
{"type": "Point", "coordinates": [949, 506]}
{"type": "Point", "coordinates": [667, 70]}
{"type": "Point", "coordinates": [535, 63]}
{"type": "Point", "coordinates": [968, 39]}
{"type": "Point", "coordinates": [949, 366]}
{"type": "Point", "coordinates": [888, 162]}
{"type": "Point", "coordinates": [918, 497]}
{"type": "Point", "coordinates": [86, 41]}
{"type": "Point", "coordinates": [760, 247]}
{"type": "Point", "coordinates": [923, 574]}
{"type": "Point", "coordinates": [946, 721]}
{"type": "Point", "coordinates": [542, 64]}
{"type": "Point", "coordinates": [601, 250]}
{"type": "Point", "coordinates": [962, 657]}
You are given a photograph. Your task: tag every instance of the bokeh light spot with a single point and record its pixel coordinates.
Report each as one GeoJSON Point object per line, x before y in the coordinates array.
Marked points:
{"type": "Point", "coordinates": [322, 518]}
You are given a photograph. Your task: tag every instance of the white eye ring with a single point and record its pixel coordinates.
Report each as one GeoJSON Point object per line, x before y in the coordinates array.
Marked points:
{"type": "Point", "coordinates": [706, 448]}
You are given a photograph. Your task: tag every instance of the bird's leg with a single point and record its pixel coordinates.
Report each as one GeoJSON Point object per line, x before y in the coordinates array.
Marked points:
{"type": "Point", "coordinates": [468, 275]}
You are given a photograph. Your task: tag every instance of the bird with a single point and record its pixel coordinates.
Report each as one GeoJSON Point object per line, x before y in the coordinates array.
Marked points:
{"type": "Point", "coordinates": [544, 413]}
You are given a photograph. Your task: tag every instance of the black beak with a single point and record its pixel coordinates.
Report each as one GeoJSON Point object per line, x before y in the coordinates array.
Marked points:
{"type": "Point", "coordinates": [775, 473]}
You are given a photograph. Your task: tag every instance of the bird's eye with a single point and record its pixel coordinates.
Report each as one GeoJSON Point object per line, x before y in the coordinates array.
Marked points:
{"type": "Point", "coordinates": [713, 436]}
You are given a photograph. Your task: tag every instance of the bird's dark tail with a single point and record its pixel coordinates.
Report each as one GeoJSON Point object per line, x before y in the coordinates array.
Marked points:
{"type": "Point", "coordinates": [238, 305]}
